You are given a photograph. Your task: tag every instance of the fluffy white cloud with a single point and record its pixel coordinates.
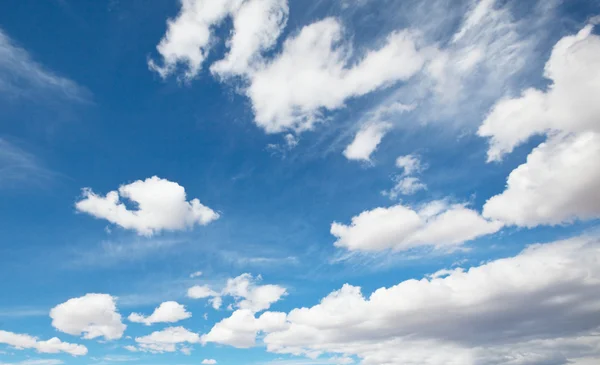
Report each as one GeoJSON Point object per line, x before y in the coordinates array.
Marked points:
{"type": "Point", "coordinates": [167, 340]}
{"type": "Point", "coordinates": [93, 315]}
{"type": "Point", "coordinates": [209, 362]}
{"type": "Point", "coordinates": [251, 295]}
{"type": "Point", "coordinates": [201, 292]}
{"type": "Point", "coordinates": [161, 205]}
{"type": "Point", "coordinates": [256, 26]}
{"type": "Point", "coordinates": [51, 346]}
{"type": "Point", "coordinates": [241, 328]}
{"type": "Point", "coordinates": [245, 290]}
{"type": "Point", "coordinates": [169, 312]}
{"type": "Point", "coordinates": [568, 105]}
{"type": "Point", "coordinates": [366, 141]}
{"type": "Point", "coordinates": [536, 308]}
{"type": "Point", "coordinates": [312, 74]}
{"type": "Point", "coordinates": [398, 227]}
{"type": "Point", "coordinates": [558, 183]}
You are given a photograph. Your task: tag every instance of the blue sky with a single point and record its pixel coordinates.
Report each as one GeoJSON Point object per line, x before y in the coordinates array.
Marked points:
{"type": "Point", "coordinates": [299, 182]}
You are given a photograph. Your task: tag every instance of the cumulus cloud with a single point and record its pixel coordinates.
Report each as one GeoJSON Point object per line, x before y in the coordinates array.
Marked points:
{"type": "Point", "coordinates": [558, 183]}
{"type": "Point", "coordinates": [161, 203]}
{"type": "Point", "coordinates": [240, 329]}
{"type": "Point", "coordinates": [568, 104]}
{"type": "Point", "coordinates": [209, 362]}
{"type": "Point", "coordinates": [169, 312]}
{"type": "Point", "coordinates": [435, 224]}
{"type": "Point", "coordinates": [167, 340]}
{"type": "Point", "coordinates": [187, 42]}
{"type": "Point", "coordinates": [366, 141]}
{"type": "Point", "coordinates": [51, 346]}
{"type": "Point", "coordinates": [312, 73]}
{"type": "Point", "coordinates": [245, 290]}
{"type": "Point", "coordinates": [93, 315]}
{"type": "Point", "coordinates": [538, 307]}
{"type": "Point", "coordinates": [410, 164]}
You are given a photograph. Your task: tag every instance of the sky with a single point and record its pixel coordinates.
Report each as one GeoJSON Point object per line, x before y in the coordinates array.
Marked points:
{"type": "Point", "coordinates": [295, 182]}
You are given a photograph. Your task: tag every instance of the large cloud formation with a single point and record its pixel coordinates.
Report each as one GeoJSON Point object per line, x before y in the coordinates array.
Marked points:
{"type": "Point", "coordinates": [538, 307]}
{"type": "Point", "coordinates": [162, 205]}
{"type": "Point", "coordinates": [559, 182]}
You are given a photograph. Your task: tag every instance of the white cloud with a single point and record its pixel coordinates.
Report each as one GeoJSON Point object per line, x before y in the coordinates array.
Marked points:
{"type": "Point", "coordinates": [51, 346]}
{"type": "Point", "coordinates": [161, 205]}
{"type": "Point", "coordinates": [209, 362]}
{"type": "Point", "coordinates": [169, 312]}
{"type": "Point", "coordinates": [36, 362]}
{"type": "Point", "coordinates": [20, 76]}
{"type": "Point", "coordinates": [538, 307]}
{"type": "Point", "coordinates": [167, 340]}
{"type": "Point", "coordinates": [195, 274]}
{"type": "Point", "coordinates": [131, 348]}
{"type": "Point", "coordinates": [252, 296]}
{"type": "Point", "coordinates": [568, 104]}
{"type": "Point", "coordinates": [410, 164]}
{"type": "Point", "coordinates": [240, 329]}
{"type": "Point", "coordinates": [245, 290]}
{"type": "Point", "coordinates": [399, 228]}
{"type": "Point", "coordinates": [558, 183]}
{"type": "Point", "coordinates": [405, 186]}
{"type": "Point", "coordinates": [312, 74]}
{"type": "Point", "coordinates": [93, 315]}
{"type": "Point", "coordinates": [256, 26]}
{"type": "Point", "coordinates": [366, 141]}
{"type": "Point", "coordinates": [19, 166]}
{"type": "Point", "coordinates": [201, 292]}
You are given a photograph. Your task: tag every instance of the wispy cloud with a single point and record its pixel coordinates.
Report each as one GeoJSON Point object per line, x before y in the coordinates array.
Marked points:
{"type": "Point", "coordinates": [22, 77]}
{"type": "Point", "coordinates": [23, 312]}
{"type": "Point", "coordinates": [18, 166]}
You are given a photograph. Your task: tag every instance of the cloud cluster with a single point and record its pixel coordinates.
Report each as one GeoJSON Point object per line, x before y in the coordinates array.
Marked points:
{"type": "Point", "coordinates": [51, 346]}
{"type": "Point", "coordinates": [161, 205]}
{"type": "Point", "coordinates": [93, 315]}
{"type": "Point", "coordinates": [436, 224]}
{"type": "Point", "coordinates": [246, 291]}
{"type": "Point", "coordinates": [558, 183]}
{"type": "Point", "coordinates": [538, 307]}
{"type": "Point", "coordinates": [313, 71]}
{"type": "Point", "coordinates": [166, 312]}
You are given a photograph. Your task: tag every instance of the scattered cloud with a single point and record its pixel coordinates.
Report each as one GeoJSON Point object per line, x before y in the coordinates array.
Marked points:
{"type": "Point", "coordinates": [209, 362]}
{"type": "Point", "coordinates": [240, 329]}
{"type": "Point", "coordinates": [166, 312]}
{"type": "Point", "coordinates": [51, 346]}
{"type": "Point", "coordinates": [406, 183]}
{"type": "Point", "coordinates": [195, 274]}
{"type": "Point", "coordinates": [366, 141]}
{"type": "Point", "coordinates": [436, 224]}
{"type": "Point", "coordinates": [245, 290]}
{"type": "Point", "coordinates": [35, 362]}
{"type": "Point", "coordinates": [167, 340]}
{"type": "Point", "coordinates": [161, 205]}
{"type": "Point", "coordinates": [93, 315]}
